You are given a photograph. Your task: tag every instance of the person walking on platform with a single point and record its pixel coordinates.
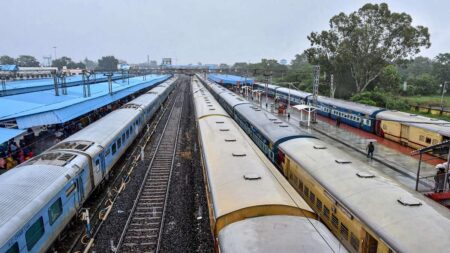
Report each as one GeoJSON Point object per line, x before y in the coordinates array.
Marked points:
{"type": "Point", "coordinates": [439, 179]}
{"type": "Point", "coordinates": [289, 116]}
{"type": "Point", "coordinates": [370, 149]}
{"type": "Point", "coordinates": [338, 121]}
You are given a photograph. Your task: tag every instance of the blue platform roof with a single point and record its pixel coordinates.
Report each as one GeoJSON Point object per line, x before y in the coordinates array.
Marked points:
{"type": "Point", "coordinates": [7, 134]}
{"type": "Point", "coordinates": [70, 80]}
{"type": "Point", "coordinates": [8, 68]}
{"type": "Point", "coordinates": [229, 79]}
{"type": "Point", "coordinates": [44, 108]}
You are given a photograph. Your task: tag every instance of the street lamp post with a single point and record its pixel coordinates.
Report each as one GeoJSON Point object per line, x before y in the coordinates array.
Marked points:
{"type": "Point", "coordinates": [444, 89]}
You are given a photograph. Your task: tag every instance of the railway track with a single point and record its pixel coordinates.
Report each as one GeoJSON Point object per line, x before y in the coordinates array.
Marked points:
{"type": "Point", "coordinates": [145, 222]}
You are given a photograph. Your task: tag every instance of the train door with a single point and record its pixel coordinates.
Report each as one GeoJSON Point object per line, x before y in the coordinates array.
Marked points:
{"type": "Point", "coordinates": [404, 134]}
{"type": "Point", "coordinates": [370, 244]}
{"type": "Point", "coordinates": [80, 189]}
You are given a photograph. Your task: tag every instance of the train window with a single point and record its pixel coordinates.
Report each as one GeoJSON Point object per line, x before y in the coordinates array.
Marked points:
{"type": "Point", "coordinates": [319, 205]}
{"type": "Point", "coordinates": [54, 211]}
{"type": "Point", "coordinates": [300, 185]}
{"type": "Point", "coordinates": [14, 248]}
{"type": "Point", "coordinates": [421, 138]}
{"type": "Point", "coordinates": [34, 233]}
{"type": "Point", "coordinates": [326, 212]}
{"type": "Point", "coordinates": [312, 197]}
{"type": "Point", "coordinates": [344, 232]}
{"type": "Point", "coordinates": [306, 191]}
{"type": "Point", "coordinates": [113, 149]}
{"type": "Point", "coordinates": [428, 140]}
{"type": "Point", "coordinates": [71, 189]}
{"type": "Point", "coordinates": [131, 129]}
{"type": "Point", "coordinates": [354, 242]}
{"type": "Point", "coordinates": [334, 221]}
{"type": "Point", "coordinates": [123, 137]}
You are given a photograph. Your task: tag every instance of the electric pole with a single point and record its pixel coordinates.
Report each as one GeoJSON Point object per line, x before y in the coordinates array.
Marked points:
{"type": "Point", "coordinates": [315, 89]}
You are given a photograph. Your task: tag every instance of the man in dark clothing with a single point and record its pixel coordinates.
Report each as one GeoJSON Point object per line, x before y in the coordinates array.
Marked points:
{"type": "Point", "coordinates": [338, 121]}
{"type": "Point", "coordinates": [370, 150]}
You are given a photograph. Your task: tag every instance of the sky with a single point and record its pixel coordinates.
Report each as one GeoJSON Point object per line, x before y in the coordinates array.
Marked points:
{"type": "Point", "coordinates": [189, 31]}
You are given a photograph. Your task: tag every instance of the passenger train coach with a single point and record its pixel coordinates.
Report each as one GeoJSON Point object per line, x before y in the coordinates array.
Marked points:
{"type": "Point", "coordinates": [252, 207]}
{"type": "Point", "coordinates": [39, 197]}
{"type": "Point", "coordinates": [409, 129]}
{"type": "Point", "coordinates": [365, 209]}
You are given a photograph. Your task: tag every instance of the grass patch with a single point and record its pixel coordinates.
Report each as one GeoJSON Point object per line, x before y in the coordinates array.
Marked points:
{"type": "Point", "coordinates": [427, 101]}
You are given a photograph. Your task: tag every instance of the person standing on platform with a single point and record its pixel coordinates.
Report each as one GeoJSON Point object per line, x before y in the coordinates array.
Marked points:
{"type": "Point", "coordinates": [370, 149]}
{"type": "Point", "coordinates": [338, 121]}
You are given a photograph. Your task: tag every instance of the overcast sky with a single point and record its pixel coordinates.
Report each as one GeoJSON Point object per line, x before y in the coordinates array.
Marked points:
{"type": "Point", "coordinates": [189, 30]}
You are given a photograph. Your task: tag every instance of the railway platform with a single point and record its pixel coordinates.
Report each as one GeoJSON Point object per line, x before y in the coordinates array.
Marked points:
{"type": "Point", "coordinates": [390, 157]}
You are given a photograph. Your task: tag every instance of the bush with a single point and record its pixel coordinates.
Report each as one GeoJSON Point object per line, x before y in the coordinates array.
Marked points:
{"type": "Point", "coordinates": [381, 99]}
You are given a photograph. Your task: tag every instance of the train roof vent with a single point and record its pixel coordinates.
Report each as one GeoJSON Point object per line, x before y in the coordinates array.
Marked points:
{"type": "Point", "coordinates": [210, 105]}
{"type": "Point", "coordinates": [277, 122]}
{"type": "Point", "coordinates": [77, 145]}
{"type": "Point", "coordinates": [212, 109]}
{"type": "Point", "coordinates": [252, 176]}
{"type": "Point", "coordinates": [409, 201]}
{"type": "Point", "coordinates": [53, 158]}
{"type": "Point", "coordinates": [363, 174]}
{"type": "Point", "coordinates": [224, 130]}
{"type": "Point", "coordinates": [284, 126]}
{"type": "Point", "coordinates": [239, 154]}
{"type": "Point", "coordinates": [412, 114]}
{"type": "Point", "coordinates": [131, 106]}
{"type": "Point", "coordinates": [230, 140]}
{"type": "Point", "coordinates": [220, 122]}
{"type": "Point", "coordinates": [320, 147]}
{"type": "Point", "coordinates": [152, 92]}
{"type": "Point", "coordinates": [240, 99]}
{"type": "Point", "coordinates": [342, 161]}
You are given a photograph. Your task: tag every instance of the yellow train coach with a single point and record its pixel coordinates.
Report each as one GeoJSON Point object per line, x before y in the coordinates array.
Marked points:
{"type": "Point", "coordinates": [412, 130]}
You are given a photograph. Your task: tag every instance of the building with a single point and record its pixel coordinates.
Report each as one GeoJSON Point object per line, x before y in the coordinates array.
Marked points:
{"type": "Point", "coordinates": [283, 62]}
{"type": "Point", "coordinates": [166, 62]}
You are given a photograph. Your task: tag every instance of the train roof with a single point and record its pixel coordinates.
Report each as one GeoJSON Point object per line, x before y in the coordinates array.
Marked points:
{"type": "Point", "coordinates": [357, 107]}
{"type": "Point", "coordinates": [238, 173]}
{"type": "Point", "coordinates": [102, 131]}
{"type": "Point", "coordinates": [29, 187]}
{"type": "Point", "coordinates": [376, 201]}
{"type": "Point", "coordinates": [269, 125]}
{"type": "Point", "coordinates": [256, 235]}
{"type": "Point", "coordinates": [439, 126]}
{"type": "Point", "coordinates": [202, 97]}
{"type": "Point", "coordinates": [269, 86]}
{"type": "Point", "coordinates": [300, 94]}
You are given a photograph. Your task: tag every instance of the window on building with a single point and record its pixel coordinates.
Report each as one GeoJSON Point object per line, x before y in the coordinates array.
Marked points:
{"type": "Point", "coordinates": [421, 138]}
{"type": "Point", "coordinates": [34, 233]}
{"type": "Point", "coordinates": [428, 140]}
{"type": "Point", "coordinates": [54, 211]}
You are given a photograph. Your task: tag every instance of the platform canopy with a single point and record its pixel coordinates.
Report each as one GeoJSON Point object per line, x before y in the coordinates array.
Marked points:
{"type": "Point", "coordinates": [7, 134]}
{"type": "Point", "coordinates": [230, 79]}
{"type": "Point", "coordinates": [305, 107]}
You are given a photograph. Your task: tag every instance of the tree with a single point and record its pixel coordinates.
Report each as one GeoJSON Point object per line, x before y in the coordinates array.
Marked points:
{"type": "Point", "coordinates": [108, 63]}
{"type": "Point", "coordinates": [365, 41]}
{"type": "Point", "coordinates": [6, 60]}
{"type": "Point", "coordinates": [441, 68]}
{"type": "Point", "coordinates": [27, 61]}
{"type": "Point", "coordinates": [61, 62]}
{"type": "Point", "coordinates": [89, 64]}
{"type": "Point", "coordinates": [389, 79]}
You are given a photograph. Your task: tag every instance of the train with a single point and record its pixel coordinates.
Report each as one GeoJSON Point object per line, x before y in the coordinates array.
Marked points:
{"type": "Point", "coordinates": [252, 207]}
{"type": "Point", "coordinates": [411, 130]}
{"type": "Point", "coordinates": [365, 209]}
{"type": "Point", "coordinates": [40, 197]}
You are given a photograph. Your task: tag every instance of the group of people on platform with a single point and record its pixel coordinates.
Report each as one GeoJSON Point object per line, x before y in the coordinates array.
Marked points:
{"type": "Point", "coordinates": [12, 154]}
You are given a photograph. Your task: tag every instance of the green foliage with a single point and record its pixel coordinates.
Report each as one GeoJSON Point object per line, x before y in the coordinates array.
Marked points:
{"type": "Point", "coordinates": [424, 84]}
{"type": "Point", "coordinates": [365, 41]}
{"type": "Point", "coordinates": [89, 64]}
{"type": "Point", "coordinates": [441, 68]}
{"type": "Point", "coordinates": [66, 61]}
{"type": "Point", "coordinates": [107, 63]}
{"type": "Point", "coordinates": [389, 79]}
{"type": "Point", "coordinates": [27, 61]}
{"type": "Point", "coordinates": [381, 99]}
{"type": "Point", "coordinates": [6, 60]}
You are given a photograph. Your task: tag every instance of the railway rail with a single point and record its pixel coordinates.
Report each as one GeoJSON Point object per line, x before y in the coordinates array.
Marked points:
{"type": "Point", "coordinates": [77, 241]}
{"type": "Point", "coordinates": [143, 229]}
